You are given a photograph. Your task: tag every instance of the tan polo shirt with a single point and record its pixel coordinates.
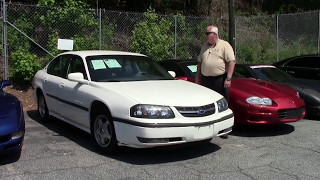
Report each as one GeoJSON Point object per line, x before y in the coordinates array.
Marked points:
{"type": "Point", "coordinates": [213, 60]}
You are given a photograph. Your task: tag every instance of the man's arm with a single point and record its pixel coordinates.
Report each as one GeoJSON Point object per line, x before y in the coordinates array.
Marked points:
{"type": "Point", "coordinates": [230, 68]}
{"type": "Point", "coordinates": [198, 74]}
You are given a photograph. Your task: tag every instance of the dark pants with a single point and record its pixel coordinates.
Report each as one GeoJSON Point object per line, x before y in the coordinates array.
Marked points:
{"type": "Point", "coordinates": [216, 83]}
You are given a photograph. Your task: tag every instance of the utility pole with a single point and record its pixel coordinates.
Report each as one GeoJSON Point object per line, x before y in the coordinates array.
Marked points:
{"type": "Point", "coordinates": [4, 41]}
{"type": "Point", "coordinates": [232, 38]}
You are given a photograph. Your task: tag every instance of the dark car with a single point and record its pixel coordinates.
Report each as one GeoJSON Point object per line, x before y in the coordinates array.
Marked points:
{"type": "Point", "coordinates": [12, 124]}
{"type": "Point", "coordinates": [184, 69]}
{"type": "Point", "coordinates": [252, 101]}
{"type": "Point", "coordinates": [303, 66]}
{"type": "Point", "coordinates": [309, 90]}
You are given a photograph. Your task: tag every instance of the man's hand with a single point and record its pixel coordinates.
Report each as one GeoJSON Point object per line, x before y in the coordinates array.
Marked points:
{"type": "Point", "coordinates": [227, 84]}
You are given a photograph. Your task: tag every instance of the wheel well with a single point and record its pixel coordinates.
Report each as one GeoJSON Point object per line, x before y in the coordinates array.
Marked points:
{"type": "Point", "coordinates": [98, 106]}
{"type": "Point", "coordinates": [39, 92]}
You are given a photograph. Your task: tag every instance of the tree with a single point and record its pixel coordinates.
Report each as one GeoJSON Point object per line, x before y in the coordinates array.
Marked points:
{"type": "Point", "coordinates": [153, 36]}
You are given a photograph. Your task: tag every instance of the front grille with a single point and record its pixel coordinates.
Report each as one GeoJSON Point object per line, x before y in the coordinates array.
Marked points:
{"type": "Point", "coordinates": [199, 111]}
{"type": "Point", "coordinates": [290, 113]}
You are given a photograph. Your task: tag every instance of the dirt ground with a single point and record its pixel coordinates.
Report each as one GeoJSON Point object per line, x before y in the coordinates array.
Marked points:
{"type": "Point", "coordinates": [24, 94]}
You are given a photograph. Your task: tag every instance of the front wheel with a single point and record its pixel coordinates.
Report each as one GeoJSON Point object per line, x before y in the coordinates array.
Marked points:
{"type": "Point", "coordinates": [103, 133]}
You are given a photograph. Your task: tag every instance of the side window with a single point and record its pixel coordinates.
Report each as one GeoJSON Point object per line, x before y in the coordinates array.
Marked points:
{"type": "Point", "coordinates": [177, 69]}
{"type": "Point", "coordinates": [294, 62]}
{"type": "Point", "coordinates": [300, 62]}
{"type": "Point", "coordinates": [59, 66]}
{"type": "Point", "coordinates": [53, 67]}
{"type": "Point", "coordinates": [311, 62]}
{"type": "Point", "coordinates": [174, 67]}
{"type": "Point", "coordinates": [77, 65]}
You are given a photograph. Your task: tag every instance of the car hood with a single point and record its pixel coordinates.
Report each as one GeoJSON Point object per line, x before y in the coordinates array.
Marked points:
{"type": "Point", "coordinates": [164, 92]}
{"type": "Point", "coordinates": [303, 83]}
{"type": "Point", "coordinates": [261, 88]}
{"type": "Point", "coordinates": [11, 113]}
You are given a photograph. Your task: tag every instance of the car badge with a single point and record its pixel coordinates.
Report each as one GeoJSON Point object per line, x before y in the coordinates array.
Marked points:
{"type": "Point", "coordinates": [201, 111]}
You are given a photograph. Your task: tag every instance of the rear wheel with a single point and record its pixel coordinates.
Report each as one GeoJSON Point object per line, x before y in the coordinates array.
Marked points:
{"type": "Point", "coordinates": [103, 133]}
{"type": "Point", "coordinates": [42, 108]}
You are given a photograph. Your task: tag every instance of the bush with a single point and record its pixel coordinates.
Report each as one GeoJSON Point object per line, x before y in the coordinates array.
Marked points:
{"type": "Point", "coordinates": [24, 66]}
{"type": "Point", "coordinates": [153, 37]}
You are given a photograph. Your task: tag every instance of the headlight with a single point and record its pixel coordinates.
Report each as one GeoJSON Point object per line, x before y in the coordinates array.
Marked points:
{"type": "Point", "coordinates": [151, 111]}
{"type": "Point", "coordinates": [259, 101]}
{"type": "Point", "coordinates": [222, 105]}
{"type": "Point", "coordinates": [17, 134]}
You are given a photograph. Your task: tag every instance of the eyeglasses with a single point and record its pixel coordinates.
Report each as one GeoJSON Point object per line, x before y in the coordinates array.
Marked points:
{"type": "Point", "coordinates": [207, 33]}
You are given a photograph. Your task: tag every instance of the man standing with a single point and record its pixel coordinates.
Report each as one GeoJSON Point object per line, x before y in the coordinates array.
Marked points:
{"type": "Point", "coordinates": [215, 63]}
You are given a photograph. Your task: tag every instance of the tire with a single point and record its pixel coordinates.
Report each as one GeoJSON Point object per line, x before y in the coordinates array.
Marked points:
{"type": "Point", "coordinates": [42, 108]}
{"type": "Point", "coordinates": [224, 136]}
{"type": "Point", "coordinates": [103, 133]}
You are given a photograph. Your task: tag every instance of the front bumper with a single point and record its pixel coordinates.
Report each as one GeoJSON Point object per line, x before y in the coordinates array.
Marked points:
{"type": "Point", "coordinates": [143, 135]}
{"type": "Point", "coordinates": [11, 145]}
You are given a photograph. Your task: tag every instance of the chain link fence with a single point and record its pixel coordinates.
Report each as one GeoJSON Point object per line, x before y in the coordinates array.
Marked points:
{"type": "Point", "coordinates": [35, 30]}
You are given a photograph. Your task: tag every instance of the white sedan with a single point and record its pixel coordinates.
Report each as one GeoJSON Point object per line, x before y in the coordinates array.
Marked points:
{"type": "Point", "coordinates": [127, 99]}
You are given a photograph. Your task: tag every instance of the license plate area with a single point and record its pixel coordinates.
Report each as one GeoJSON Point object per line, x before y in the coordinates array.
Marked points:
{"type": "Point", "coordinates": [203, 132]}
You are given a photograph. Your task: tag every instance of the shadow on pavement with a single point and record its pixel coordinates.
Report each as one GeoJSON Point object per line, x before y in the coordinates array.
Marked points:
{"type": "Point", "coordinates": [165, 154]}
{"type": "Point", "coordinates": [64, 129]}
{"type": "Point", "coordinates": [127, 154]}
{"type": "Point", "coordinates": [262, 130]}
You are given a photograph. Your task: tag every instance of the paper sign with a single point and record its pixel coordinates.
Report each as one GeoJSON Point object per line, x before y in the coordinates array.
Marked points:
{"type": "Point", "coordinates": [65, 44]}
{"type": "Point", "coordinates": [112, 63]}
{"type": "Point", "coordinates": [98, 64]}
{"type": "Point", "coordinates": [193, 68]}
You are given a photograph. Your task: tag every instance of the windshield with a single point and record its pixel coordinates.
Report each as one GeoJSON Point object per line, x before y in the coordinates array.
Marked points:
{"type": "Point", "coordinates": [191, 69]}
{"type": "Point", "coordinates": [111, 68]}
{"type": "Point", "coordinates": [270, 74]}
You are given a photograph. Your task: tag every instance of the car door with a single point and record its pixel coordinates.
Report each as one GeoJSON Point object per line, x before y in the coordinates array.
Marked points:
{"type": "Point", "coordinates": [75, 101]}
{"type": "Point", "coordinates": [55, 74]}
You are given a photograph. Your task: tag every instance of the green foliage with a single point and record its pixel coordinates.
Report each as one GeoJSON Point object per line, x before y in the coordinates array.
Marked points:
{"type": "Point", "coordinates": [245, 54]}
{"type": "Point", "coordinates": [297, 48]}
{"type": "Point", "coordinates": [15, 39]}
{"type": "Point", "coordinates": [107, 34]}
{"type": "Point", "coordinates": [184, 38]}
{"type": "Point", "coordinates": [91, 40]}
{"type": "Point", "coordinates": [24, 66]}
{"type": "Point", "coordinates": [84, 43]}
{"type": "Point", "coordinates": [153, 37]}
{"type": "Point", "coordinates": [52, 44]}
{"type": "Point", "coordinates": [254, 52]}
{"type": "Point", "coordinates": [70, 20]}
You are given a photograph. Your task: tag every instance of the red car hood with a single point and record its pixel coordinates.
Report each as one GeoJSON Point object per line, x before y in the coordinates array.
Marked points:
{"type": "Point", "coordinates": [261, 88]}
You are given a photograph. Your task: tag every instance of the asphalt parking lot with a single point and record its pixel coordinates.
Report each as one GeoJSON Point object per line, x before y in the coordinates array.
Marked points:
{"type": "Point", "coordinates": [56, 150]}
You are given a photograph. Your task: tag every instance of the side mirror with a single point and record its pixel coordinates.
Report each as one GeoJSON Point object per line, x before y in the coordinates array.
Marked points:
{"type": "Point", "coordinates": [172, 73]}
{"type": "Point", "coordinates": [77, 77]}
{"type": "Point", "coordinates": [5, 83]}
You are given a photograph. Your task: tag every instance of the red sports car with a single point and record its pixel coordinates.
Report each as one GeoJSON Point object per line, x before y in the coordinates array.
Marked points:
{"type": "Point", "coordinates": [252, 101]}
